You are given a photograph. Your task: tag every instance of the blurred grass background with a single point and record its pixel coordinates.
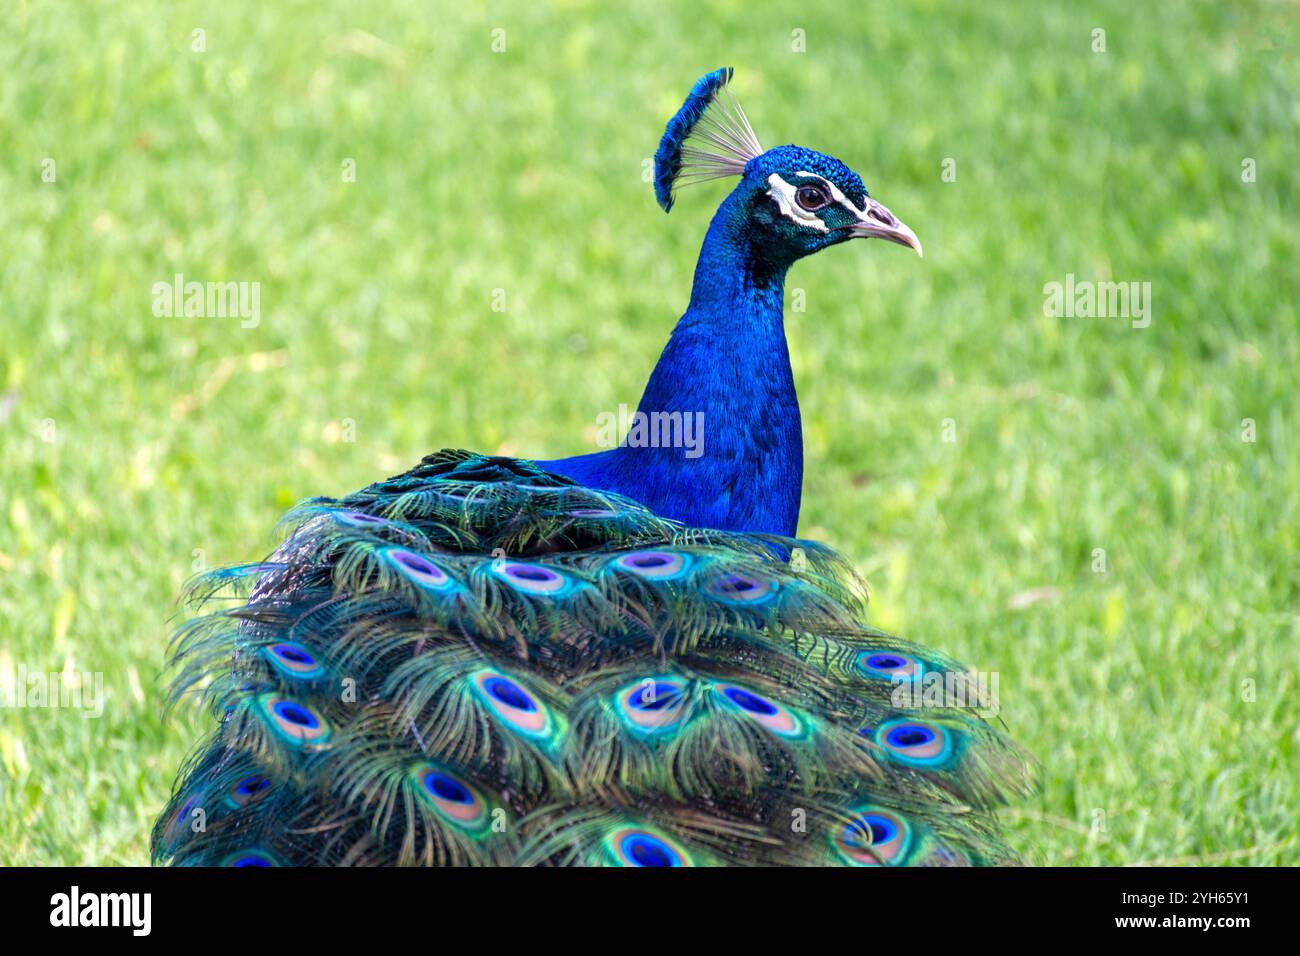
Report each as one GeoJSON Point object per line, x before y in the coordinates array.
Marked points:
{"type": "Point", "coordinates": [1160, 695]}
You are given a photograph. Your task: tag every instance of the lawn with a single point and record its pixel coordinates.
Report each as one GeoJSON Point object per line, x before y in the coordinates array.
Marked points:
{"type": "Point", "coordinates": [456, 246]}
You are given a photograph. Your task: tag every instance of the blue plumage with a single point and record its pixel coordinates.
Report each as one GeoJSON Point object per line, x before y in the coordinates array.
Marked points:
{"type": "Point", "coordinates": [727, 362]}
{"type": "Point", "coordinates": [620, 659]}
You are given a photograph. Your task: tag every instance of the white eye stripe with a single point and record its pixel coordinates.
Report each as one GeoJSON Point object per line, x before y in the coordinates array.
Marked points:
{"type": "Point", "coordinates": [836, 193]}
{"type": "Point", "coordinates": [783, 192]}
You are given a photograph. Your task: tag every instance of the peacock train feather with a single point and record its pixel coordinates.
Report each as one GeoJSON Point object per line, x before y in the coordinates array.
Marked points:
{"type": "Point", "coordinates": [622, 659]}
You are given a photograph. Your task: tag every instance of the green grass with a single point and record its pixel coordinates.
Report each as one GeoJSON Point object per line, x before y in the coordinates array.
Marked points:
{"type": "Point", "coordinates": [133, 448]}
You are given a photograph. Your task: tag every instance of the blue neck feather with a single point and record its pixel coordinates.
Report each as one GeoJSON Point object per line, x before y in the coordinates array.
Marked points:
{"type": "Point", "coordinates": [728, 361]}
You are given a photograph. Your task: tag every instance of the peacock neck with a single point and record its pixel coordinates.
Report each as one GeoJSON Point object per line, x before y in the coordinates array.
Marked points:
{"type": "Point", "coordinates": [724, 383]}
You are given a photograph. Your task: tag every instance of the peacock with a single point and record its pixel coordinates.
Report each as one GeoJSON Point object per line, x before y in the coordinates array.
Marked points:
{"type": "Point", "coordinates": [624, 658]}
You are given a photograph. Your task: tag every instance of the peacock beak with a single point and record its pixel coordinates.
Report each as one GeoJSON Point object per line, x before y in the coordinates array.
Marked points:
{"type": "Point", "coordinates": [877, 222]}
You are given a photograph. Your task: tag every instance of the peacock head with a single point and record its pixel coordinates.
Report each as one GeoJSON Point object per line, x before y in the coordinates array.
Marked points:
{"type": "Point", "coordinates": [791, 201]}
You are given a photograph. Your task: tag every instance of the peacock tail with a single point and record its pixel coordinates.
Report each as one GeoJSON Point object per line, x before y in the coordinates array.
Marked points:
{"type": "Point", "coordinates": [483, 662]}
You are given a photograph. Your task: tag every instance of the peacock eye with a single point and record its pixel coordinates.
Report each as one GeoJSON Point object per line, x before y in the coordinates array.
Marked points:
{"type": "Point", "coordinates": [811, 198]}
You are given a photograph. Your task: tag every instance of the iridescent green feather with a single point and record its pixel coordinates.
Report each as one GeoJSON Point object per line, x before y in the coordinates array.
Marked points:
{"type": "Point", "coordinates": [477, 662]}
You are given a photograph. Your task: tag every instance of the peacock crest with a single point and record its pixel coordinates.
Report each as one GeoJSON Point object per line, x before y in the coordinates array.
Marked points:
{"type": "Point", "coordinates": [708, 138]}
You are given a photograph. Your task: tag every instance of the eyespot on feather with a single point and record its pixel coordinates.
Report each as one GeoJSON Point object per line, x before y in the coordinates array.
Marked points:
{"type": "Point", "coordinates": [652, 705]}
{"type": "Point", "coordinates": [358, 519]}
{"type": "Point", "coordinates": [452, 797]}
{"type": "Point", "coordinates": [247, 790]}
{"type": "Point", "coordinates": [916, 743]}
{"type": "Point", "coordinates": [250, 858]}
{"type": "Point", "coordinates": [297, 724]}
{"type": "Point", "coordinates": [660, 565]}
{"type": "Point", "coordinates": [873, 837]}
{"type": "Point", "coordinates": [535, 580]}
{"type": "Point", "coordinates": [888, 666]}
{"type": "Point", "coordinates": [775, 717]}
{"type": "Point", "coordinates": [293, 660]}
{"type": "Point", "coordinates": [514, 705]}
{"type": "Point", "coordinates": [640, 847]}
{"type": "Point", "coordinates": [742, 589]}
{"type": "Point", "coordinates": [418, 569]}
